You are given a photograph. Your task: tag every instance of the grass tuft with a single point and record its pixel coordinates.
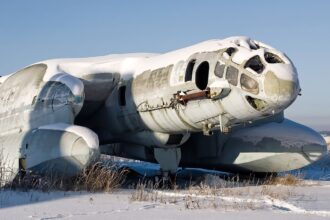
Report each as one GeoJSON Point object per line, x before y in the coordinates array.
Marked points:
{"type": "Point", "coordinates": [286, 180]}
{"type": "Point", "coordinates": [97, 178]}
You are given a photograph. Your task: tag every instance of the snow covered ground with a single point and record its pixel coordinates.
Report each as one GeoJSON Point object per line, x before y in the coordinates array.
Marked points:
{"type": "Point", "coordinates": [310, 199]}
{"type": "Point", "coordinates": [308, 202]}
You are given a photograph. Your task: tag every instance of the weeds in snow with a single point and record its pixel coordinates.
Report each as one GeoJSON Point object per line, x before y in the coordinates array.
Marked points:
{"type": "Point", "coordinates": [100, 178]}
{"type": "Point", "coordinates": [286, 180]}
{"type": "Point", "coordinates": [96, 178]}
{"type": "Point", "coordinates": [219, 193]}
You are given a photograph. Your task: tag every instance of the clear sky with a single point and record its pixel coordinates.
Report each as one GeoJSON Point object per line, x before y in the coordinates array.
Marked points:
{"type": "Point", "coordinates": [37, 29]}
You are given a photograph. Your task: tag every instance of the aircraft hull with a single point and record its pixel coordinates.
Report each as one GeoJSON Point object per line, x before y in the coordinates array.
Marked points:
{"type": "Point", "coordinates": [271, 147]}
{"type": "Point", "coordinates": [264, 148]}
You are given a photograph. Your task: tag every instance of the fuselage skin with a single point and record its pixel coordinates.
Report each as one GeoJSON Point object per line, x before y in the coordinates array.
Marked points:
{"type": "Point", "coordinates": [145, 96]}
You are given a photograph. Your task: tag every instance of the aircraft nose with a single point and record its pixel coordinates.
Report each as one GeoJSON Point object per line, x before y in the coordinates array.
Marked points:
{"type": "Point", "coordinates": [281, 87]}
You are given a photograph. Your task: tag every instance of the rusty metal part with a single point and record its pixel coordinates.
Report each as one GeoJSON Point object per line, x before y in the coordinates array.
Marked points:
{"type": "Point", "coordinates": [184, 98]}
{"type": "Point", "coordinates": [179, 98]}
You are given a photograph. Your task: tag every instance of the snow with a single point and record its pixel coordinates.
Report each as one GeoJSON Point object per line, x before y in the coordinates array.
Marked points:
{"type": "Point", "coordinates": [327, 140]}
{"type": "Point", "coordinates": [78, 67]}
{"type": "Point", "coordinates": [308, 200]}
{"type": "Point", "coordinates": [3, 78]}
{"type": "Point", "coordinates": [74, 84]}
{"type": "Point", "coordinates": [81, 205]}
{"type": "Point", "coordinates": [133, 64]}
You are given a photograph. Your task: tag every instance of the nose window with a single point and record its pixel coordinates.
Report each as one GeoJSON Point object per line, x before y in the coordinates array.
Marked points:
{"type": "Point", "coordinates": [219, 70]}
{"type": "Point", "coordinates": [248, 84]}
{"type": "Point", "coordinates": [272, 58]}
{"type": "Point", "coordinates": [255, 64]}
{"type": "Point", "coordinates": [232, 75]}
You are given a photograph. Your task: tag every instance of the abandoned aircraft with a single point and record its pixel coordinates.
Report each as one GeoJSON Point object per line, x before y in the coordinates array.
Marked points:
{"type": "Point", "coordinates": [217, 104]}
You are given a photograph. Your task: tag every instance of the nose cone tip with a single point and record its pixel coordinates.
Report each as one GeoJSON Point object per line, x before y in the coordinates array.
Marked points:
{"type": "Point", "coordinates": [288, 92]}
{"type": "Point", "coordinates": [281, 92]}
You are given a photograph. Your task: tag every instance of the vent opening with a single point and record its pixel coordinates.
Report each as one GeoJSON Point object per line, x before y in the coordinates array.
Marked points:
{"type": "Point", "coordinates": [122, 96]}
{"type": "Point", "coordinates": [189, 70]}
{"type": "Point", "coordinates": [230, 51]}
{"type": "Point", "coordinates": [202, 75]}
{"type": "Point", "coordinates": [257, 104]}
{"type": "Point", "coordinates": [272, 58]}
{"type": "Point", "coordinates": [255, 64]}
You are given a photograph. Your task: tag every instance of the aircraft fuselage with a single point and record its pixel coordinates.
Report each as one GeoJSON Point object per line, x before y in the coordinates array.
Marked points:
{"type": "Point", "coordinates": [153, 107]}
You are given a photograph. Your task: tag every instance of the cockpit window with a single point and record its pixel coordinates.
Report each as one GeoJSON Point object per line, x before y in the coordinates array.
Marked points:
{"type": "Point", "coordinates": [255, 64]}
{"type": "Point", "coordinates": [219, 70]}
{"type": "Point", "coordinates": [272, 58]}
{"type": "Point", "coordinates": [248, 84]}
{"type": "Point", "coordinates": [232, 75]}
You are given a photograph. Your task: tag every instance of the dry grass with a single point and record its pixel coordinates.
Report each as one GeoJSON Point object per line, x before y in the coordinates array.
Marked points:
{"type": "Point", "coordinates": [146, 190]}
{"type": "Point", "coordinates": [286, 180]}
{"type": "Point", "coordinates": [214, 192]}
{"type": "Point", "coordinates": [100, 178]}
{"type": "Point", "coordinates": [6, 171]}
{"type": "Point", "coordinates": [210, 192]}
{"type": "Point", "coordinates": [96, 178]}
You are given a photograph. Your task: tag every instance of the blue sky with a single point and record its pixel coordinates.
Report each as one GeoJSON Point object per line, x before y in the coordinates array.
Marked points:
{"type": "Point", "coordinates": [37, 29]}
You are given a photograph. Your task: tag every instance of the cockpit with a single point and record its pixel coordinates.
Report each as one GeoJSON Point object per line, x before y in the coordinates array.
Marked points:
{"type": "Point", "coordinates": [266, 77]}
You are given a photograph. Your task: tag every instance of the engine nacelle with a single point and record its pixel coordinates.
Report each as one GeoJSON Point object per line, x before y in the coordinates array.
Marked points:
{"type": "Point", "coordinates": [60, 149]}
